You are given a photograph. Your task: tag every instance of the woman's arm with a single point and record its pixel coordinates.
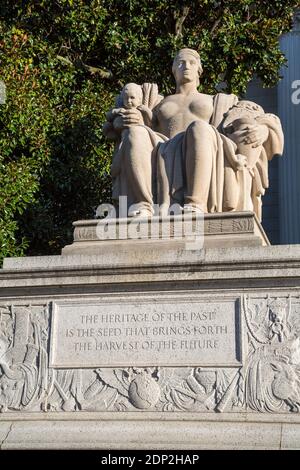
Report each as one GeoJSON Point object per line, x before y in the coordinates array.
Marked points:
{"type": "Point", "coordinates": [147, 115]}
{"type": "Point", "coordinates": [109, 131]}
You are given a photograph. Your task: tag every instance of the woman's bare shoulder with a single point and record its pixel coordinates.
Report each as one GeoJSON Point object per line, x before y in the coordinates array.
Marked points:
{"type": "Point", "coordinates": [205, 96]}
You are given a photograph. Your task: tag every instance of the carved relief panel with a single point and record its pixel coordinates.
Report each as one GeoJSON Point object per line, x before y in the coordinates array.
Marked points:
{"type": "Point", "coordinates": [259, 370]}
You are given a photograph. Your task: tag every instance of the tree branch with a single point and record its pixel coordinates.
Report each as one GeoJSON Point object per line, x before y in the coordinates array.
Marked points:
{"type": "Point", "coordinates": [180, 20]}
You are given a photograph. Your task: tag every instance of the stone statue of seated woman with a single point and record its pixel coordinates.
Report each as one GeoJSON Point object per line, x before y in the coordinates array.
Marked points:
{"type": "Point", "coordinates": [205, 153]}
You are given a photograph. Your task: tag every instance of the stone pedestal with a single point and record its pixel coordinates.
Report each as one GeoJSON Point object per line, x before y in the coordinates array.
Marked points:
{"type": "Point", "coordinates": [154, 349]}
{"type": "Point", "coordinates": [227, 229]}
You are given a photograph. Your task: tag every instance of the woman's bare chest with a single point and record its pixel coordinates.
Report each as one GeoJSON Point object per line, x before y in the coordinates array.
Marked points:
{"type": "Point", "coordinates": [199, 106]}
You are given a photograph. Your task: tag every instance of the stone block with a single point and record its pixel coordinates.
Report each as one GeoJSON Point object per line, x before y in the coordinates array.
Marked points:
{"type": "Point", "coordinates": [186, 231]}
{"type": "Point", "coordinates": [151, 349]}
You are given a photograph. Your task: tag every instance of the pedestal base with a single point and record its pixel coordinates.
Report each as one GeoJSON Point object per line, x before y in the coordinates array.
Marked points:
{"type": "Point", "coordinates": [219, 230]}
{"type": "Point", "coordinates": [164, 349]}
{"type": "Point", "coordinates": [150, 431]}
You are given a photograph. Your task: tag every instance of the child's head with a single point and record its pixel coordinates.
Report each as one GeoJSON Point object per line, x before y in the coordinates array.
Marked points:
{"type": "Point", "coordinates": [242, 114]}
{"type": "Point", "coordinates": [132, 95]}
{"type": "Point", "coordinates": [242, 123]}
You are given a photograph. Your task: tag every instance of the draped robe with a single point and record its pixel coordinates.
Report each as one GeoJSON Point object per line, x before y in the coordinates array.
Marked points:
{"type": "Point", "coordinates": [229, 188]}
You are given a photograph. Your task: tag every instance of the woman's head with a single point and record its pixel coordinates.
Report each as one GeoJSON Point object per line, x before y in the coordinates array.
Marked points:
{"type": "Point", "coordinates": [187, 66]}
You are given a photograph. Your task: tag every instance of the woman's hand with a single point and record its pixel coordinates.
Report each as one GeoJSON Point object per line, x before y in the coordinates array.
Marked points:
{"type": "Point", "coordinates": [254, 135]}
{"type": "Point", "coordinates": [129, 117]}
{"type": "Point", "coordinates": [241, 162]}
{"type": "Point", "coordinates": [109, 131]}
{"type": "Point", "coordinates": [146, 114]}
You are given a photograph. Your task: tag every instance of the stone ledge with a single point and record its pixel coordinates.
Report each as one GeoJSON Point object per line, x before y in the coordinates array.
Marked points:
{"type": "Point", "coordinates": [246, 268]}
{"type": "Point", "coordinates": [150, 257]}
{"type": "Point", "coordinates": [71, 416]}
{"type": "Point", "coordinates": [157, 433]}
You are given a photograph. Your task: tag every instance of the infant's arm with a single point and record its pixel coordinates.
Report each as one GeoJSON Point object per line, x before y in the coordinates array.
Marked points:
{"type": "Point", "coordinates": [113, 113]}
{"type": "Point", "coordinates": [110, 128]}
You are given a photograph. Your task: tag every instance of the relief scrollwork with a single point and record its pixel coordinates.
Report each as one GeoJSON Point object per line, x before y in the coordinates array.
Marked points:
{"type": "Point", "coordinates": [133, 387]}
{"type": "Point", "coordinates": [198, 389]}
{"type": "Point", "coordinates": [270, 379]}
{"type": "Point", "coordinates": [157, 388]}
{"type": "Point", "coordinates": [23, 357]}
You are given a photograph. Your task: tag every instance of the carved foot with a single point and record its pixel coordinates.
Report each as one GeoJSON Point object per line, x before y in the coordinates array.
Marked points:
{"type": "Point", "coordinates": [193, 208]}
{"type": "Point", "coordinates": [140, 213]}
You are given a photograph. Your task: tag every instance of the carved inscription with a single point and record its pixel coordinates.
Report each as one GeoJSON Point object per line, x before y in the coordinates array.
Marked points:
{"type": "Point", "coordinates": [266, 381]}
{"type": "Point", "coordinates": [172, 333]}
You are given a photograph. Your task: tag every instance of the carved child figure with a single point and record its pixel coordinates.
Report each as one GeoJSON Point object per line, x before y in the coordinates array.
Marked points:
{"type": "Point", "coordinates": [278, 327]}
{"type": "Point", "coordinates": [131, 97]}
{"type": "Point", "coordinates": [141, 98]}
{"type": "Point", "coordinates": [238, 125]}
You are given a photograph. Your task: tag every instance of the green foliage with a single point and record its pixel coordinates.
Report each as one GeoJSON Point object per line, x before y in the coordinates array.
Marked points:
{"type": "Point", "coordinates": [62, 63]}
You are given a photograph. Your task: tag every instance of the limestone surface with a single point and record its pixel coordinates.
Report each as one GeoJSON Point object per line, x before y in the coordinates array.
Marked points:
{"type": "Point", "coordinates": [200, 152]}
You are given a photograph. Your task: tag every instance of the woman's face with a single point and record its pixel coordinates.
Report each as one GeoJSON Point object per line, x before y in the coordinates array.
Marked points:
{"type": "Point", "coordinates": [186, 68]}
